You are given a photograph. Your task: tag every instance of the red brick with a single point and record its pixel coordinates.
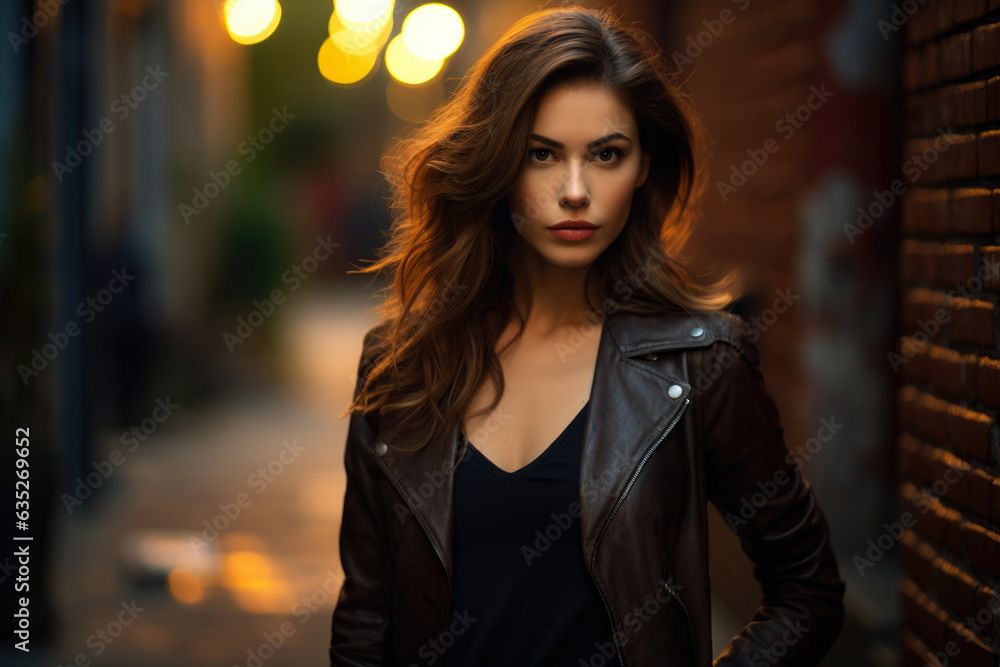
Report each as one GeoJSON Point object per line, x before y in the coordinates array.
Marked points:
{"type": "Point", "coordinates": [906, 407]}
{"type": "Point", "coordinates": [993, 98]}
{"type": "Point", "coordinates": [918, 559]}
{"type": "Point", "coordinates": [945, 15]}
{"type": "Point", "coordinates": [967, 10]}
{"type": "Point", "coordinates": [988, 387]}
{"type": "Point", "coordinates": [986, 598]}
{"type": "Point", "coordinates": [933, 264]}
{"type": "Point", "coordinates": [926, 619]}
{"type": "Point", "coordinates": [944, 367]}
{"type": "Point", "coordinates": [980, 490]}
{"type": "Point", "coordinates": [995, 495]}
{"type": "Point", "coordinates": [985, 47]}
{"type": "Point", "coordinates": [919, 27]}
{"type": "Point", "coordinates": [971, 320]}
{"type": "Point", "coordinates": [923, 310]}
{"type": "Point", "coordinates": [931, 63]}
{"type": "Point", "coordinates": [974, 652]}
{"type": "Point", "coordinates": [955, 588]}
{"type": "Point", "coordinates": [914, 653]}
{"type": "Point", "coordinates": [956, 57]}
{"type": "Point", "coordinates": [989, 152]}
{"type": "Point", "coordinates": [911, 259]}
{"type": "Point", "coordinates": [913, 70]}
{"type": "Point", "coordinates": [954, 531]}
{"type": "Point", "coordinates": [968, 101]}
{"type": "Point", "coordinates": [954, 468]}
{"type": "Point", "coordinates": [983, 546]}
{"type": "Point", "coordinates": [920, 361]}
{"type": "Point", "coordinates": [937, 204]}
{"type": "Point", "coordinates": [958, 158]}
{"type": "Point", "coordinates": [972, 209]}
{"type": "Point", "coordinates": [957, 263]}
{"type": "Point", "coordinates": [969, 432]}
{"type": "Point", "coordinates": [970, 377]}
{"type": "Point", "coordinates": [915, 110]}
{"type": "Point", "coordinates": [909, 455]}
{"type": "Point", "coordinates": [990, 269]}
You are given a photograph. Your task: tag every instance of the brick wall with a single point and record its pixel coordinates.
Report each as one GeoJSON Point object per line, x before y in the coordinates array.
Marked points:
{"type": "Point", "coordinates": [949, 373]}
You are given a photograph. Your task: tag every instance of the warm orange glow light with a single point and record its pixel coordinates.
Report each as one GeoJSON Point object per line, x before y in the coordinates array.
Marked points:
{"type": "Point", "coordinates": [251, 21]}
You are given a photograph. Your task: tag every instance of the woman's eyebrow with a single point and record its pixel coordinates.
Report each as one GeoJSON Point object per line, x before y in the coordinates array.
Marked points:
{"type": "Point", "coordinates": [592, 144]}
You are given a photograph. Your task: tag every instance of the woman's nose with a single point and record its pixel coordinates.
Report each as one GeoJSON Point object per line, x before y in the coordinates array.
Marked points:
{"type": "Point", "coordinates": [574, 190]}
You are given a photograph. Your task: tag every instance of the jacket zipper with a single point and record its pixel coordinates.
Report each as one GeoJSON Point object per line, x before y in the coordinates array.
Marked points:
{"type": "Point", "coordinates": [672, 591]}
{"type": "Point", "coordinates": [618, 503]}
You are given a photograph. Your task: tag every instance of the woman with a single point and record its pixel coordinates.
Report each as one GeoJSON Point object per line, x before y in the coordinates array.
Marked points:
{"type": "Point", "coordinates": [552, 399]}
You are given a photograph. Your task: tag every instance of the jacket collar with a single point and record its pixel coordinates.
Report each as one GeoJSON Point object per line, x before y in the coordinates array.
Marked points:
{"type": "Point", "coordinates": [633, 402]}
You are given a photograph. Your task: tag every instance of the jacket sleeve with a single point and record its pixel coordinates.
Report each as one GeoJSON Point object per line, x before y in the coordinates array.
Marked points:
{"type": "Point", "coordinates": [755, 483]}
{"type": "Point", "coordinates": [362, 611]}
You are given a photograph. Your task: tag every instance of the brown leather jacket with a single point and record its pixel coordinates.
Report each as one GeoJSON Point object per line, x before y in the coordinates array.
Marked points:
{"type": "Point", "coordinates": [679, 416]}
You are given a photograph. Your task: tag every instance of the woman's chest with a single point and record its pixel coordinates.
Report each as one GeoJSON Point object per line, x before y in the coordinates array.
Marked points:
{"type": "Point", "coordinates": [546, 387]}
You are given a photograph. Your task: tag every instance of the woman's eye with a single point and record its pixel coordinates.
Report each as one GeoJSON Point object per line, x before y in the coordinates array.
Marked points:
{"type": "Point", "coordinates": [604, 156]}
{"type": "Point", "coordinates": [613, 152]}
{"type": "Point", "coordinates": [536, 151]}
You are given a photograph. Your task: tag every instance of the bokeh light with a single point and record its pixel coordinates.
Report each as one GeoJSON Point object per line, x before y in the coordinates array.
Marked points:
{"type": "Point", "coordinates": [251, 21]}
{"type": "Point", "coordinates": [433, 31]}
{"type": "Point", "coordinates": [406, 67]}
{"type": "Point", "coordinates": [364, 15]}
{"type": "Point", "coordinates": [357, 42]}
{"type": "Point", "coordinates": [341, 67]}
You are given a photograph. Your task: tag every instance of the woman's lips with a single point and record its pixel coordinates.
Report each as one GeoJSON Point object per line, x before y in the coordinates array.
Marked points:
{"type": "Point", "coordinates": [573, 233]}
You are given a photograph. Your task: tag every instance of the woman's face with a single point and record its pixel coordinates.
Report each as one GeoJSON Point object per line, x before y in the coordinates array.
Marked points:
{"type": "Point", "coordinates": [584, 163]}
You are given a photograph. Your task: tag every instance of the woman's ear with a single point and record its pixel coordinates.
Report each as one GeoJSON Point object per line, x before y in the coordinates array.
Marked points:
{"type": "Point", "coordinates": [643, 170]}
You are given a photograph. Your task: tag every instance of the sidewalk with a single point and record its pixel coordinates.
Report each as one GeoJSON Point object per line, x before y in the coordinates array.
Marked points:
{"type": "Point", "coordinates": [259, 482]}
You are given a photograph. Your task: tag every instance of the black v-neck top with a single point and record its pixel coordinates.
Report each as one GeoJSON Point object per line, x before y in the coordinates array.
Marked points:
{"type": "Point", "coordinates": [519, 569]}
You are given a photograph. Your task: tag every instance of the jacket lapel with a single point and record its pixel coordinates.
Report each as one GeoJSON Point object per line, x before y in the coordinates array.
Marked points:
{"type": "Point", "coordinates": [630, 409]}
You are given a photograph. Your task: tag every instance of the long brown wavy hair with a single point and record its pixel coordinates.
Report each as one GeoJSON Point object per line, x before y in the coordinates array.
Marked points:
{"type": "Point", "coordinates": [448, 251]}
